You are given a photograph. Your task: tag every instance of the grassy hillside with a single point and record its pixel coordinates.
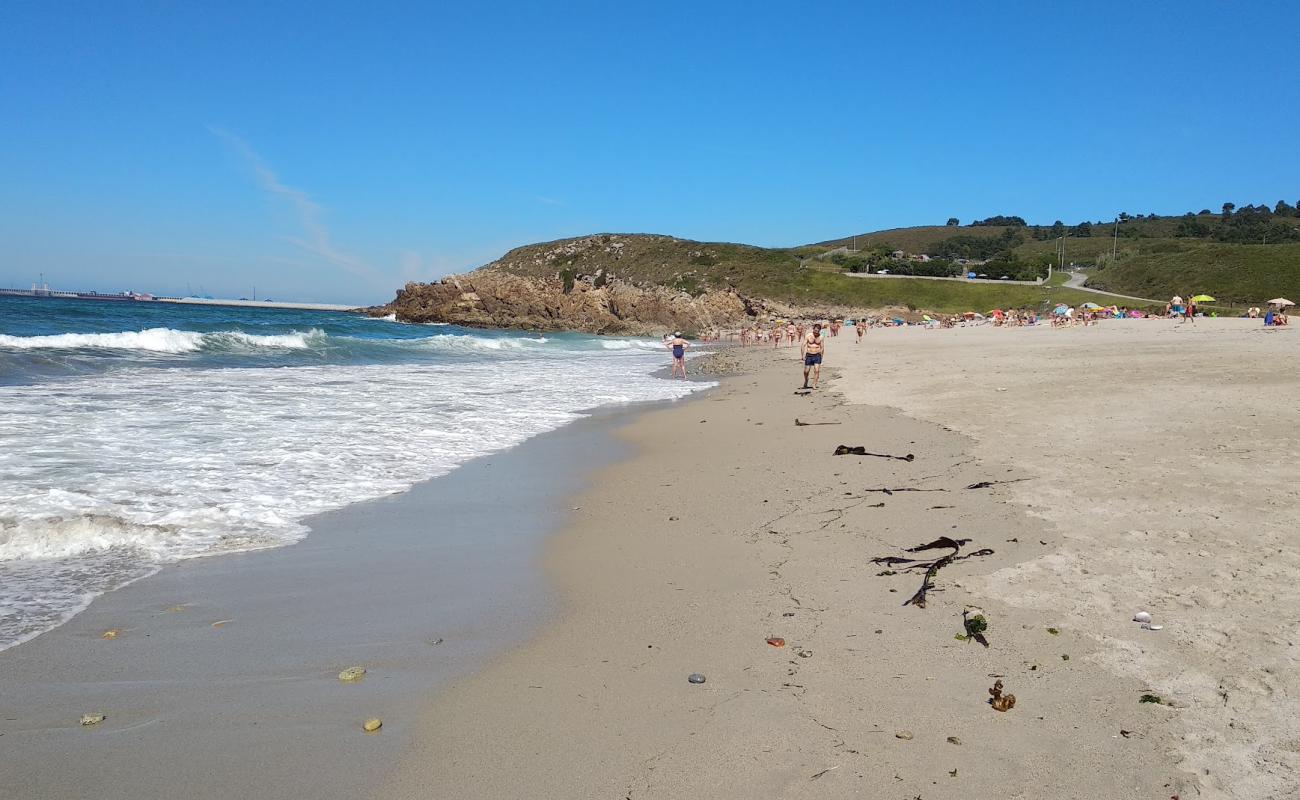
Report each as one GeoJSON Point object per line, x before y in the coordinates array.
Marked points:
{"type": "Point", "coordinates": [769, 273]}
{"type": "Point", "coordinates": [1156, 257]}
{"type": "Point", "coordinates": [1236, 274]}
{"type": "Point", "coordinates": [913, 240]}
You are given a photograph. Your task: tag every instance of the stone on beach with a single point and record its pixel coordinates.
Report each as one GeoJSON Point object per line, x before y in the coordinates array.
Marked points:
{"type": "Point", "coordinates": [352, 674]}
{"type": "Point", "coordinates": [92, 719]}
{"type": "Point", "coordinates": [372, 725]}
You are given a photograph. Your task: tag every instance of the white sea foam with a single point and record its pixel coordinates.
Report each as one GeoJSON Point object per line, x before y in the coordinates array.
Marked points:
{"type": "Point", "coordinates": [159, 340]}
{"type": "Point", "coordinates": [105, 478]}
{"type": "Point", "coordinates": [632, 344]}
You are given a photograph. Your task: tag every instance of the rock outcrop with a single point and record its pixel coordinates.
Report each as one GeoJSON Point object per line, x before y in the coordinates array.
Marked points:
{"type": "Point", "coordinates": [492, 298]}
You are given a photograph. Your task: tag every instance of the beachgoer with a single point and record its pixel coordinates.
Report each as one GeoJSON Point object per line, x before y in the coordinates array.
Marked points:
{"type": "Point", "coordinates": [812, 350]}
{"type": "Point", "coordinates": [861, 328]}
{"type": "Point", "coordinates": [679, 346]}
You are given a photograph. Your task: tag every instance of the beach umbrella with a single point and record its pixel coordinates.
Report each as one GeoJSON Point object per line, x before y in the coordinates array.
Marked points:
{"type": "Point", "coordinates": [1202, 298]}
{"type": "Point", "coordinates": [1280, 301]}
{"type": "Point", "coordinates": [1091, 305]}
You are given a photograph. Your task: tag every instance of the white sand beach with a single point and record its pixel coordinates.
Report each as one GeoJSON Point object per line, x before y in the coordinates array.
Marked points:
{"type": "Point", "coordinates": [1152, 469]}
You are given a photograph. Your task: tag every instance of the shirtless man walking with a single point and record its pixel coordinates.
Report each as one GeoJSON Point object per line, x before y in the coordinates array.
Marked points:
{"type": "Point", "coordinates": [814, 346]}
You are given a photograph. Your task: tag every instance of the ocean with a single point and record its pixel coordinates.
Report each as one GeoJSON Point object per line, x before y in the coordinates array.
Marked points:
{"type": "Point", "coordinates": [134, 435]}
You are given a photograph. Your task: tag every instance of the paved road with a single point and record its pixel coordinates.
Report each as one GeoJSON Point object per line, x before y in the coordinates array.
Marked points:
{"type": "Point", "coordinates": [1076, 282]}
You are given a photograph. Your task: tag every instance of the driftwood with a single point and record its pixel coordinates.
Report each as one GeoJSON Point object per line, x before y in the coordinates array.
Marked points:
{"type": "Point", "coordinates": [931, 566]}
{"type": "Point", "coordinates": [845, 450]}
{"type": "Point", "coordinates": [801, 424]}
{"type": "Point", "coordinates": [904, 489]}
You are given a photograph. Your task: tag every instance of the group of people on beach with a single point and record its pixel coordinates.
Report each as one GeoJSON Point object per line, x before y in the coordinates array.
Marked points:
{"type": "Point", "coordinates": [812, 337]}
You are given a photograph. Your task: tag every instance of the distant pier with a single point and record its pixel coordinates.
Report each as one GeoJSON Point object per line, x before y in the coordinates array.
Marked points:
{"type": "Point", "coordinates": [206, 301]}
{"type": "Point", "coordinates": [55, 294]}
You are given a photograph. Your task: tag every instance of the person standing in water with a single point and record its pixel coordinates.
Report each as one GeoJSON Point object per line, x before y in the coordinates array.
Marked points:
{"type": "Point", "coordinates": [678, 345]}
{"type": "Point", "coordinates": [814, 346]}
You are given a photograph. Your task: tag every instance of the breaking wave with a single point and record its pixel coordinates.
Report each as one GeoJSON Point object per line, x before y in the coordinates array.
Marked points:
{"type": "Point", "coordinates": [161, 340]}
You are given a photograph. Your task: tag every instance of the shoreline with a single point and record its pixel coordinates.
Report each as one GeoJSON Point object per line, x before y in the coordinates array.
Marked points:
{"type": "Point", "coordinates": [237, 656]}
{"type": "Point", "coordinates": [718, 533]}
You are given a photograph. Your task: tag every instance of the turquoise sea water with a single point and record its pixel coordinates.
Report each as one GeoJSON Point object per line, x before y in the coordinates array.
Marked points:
{"type": "Point", "coordinates": [135, 434]}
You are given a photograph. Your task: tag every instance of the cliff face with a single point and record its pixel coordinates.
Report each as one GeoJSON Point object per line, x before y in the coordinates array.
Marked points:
{"type": "Point", "coordinates": [590, 303]}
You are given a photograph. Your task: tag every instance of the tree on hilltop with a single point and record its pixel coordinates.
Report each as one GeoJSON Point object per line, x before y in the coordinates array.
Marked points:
{"type": "Point", "coordinates": [954, 222]}
{"type": "Point", "coordinates": [1227, 209]}
{"type": "Point", "coordinates": [999, 220]}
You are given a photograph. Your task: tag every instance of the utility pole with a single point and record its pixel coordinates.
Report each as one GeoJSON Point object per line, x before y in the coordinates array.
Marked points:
{"type": "Point", "coordinates": [1114, 253]}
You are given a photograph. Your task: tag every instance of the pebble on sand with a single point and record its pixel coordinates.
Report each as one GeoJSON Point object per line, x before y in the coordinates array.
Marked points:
{"type": "Point", "coordinates": [696, 677]}
{"type": "Point", "coordinates": [953, 740]}
{"type": "Point", "coordinates": [903, 735]}
{"type": "Point", "coordinates": [372, 725]}
{"type": "Point", "coordinates": [92, 719]}
{"type": "Point", "coordinates": [352, 674]}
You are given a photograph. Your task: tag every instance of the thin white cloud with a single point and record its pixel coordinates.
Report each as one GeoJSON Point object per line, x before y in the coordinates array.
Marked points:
{"type": "Point", "coordinates": [315, 237]}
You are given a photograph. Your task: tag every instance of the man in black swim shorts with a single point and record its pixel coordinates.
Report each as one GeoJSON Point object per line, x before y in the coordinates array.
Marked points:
{"type": "Point", "coordinates": [814, 346]}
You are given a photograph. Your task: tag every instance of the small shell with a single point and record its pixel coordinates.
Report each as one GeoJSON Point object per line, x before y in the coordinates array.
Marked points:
{"type": "Point", "coordinates": [1149, 626]}
{"type": "Point", "coordinates": [92, 719]}
{"type": "Point", "coordinates": [1142, 616]}
{"type": "Point", "coordinates": [372, 725]}
{"type": "Point", "coordinates": [352, 674]}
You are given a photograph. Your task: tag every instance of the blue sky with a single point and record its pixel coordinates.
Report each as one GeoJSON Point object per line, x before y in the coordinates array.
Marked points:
{"type": "Point", "coordinates": [331, 152]}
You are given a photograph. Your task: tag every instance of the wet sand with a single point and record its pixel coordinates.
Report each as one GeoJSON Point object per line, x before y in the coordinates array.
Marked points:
{"type": "Point", "coordinates": [252, 707]}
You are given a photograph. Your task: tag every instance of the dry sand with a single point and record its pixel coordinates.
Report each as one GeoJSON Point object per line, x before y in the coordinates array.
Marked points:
{"type": "Point", "coordinates": [1157, 476]}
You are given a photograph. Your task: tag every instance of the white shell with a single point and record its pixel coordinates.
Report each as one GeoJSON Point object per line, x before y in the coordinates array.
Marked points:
{"type": "Point", "coordinates": [1151, 627]}
{"type": "Point", "coordinates": [1142, 616]}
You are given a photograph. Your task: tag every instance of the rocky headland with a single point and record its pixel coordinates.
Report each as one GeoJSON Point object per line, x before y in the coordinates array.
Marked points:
{"type": "Point", "coordinates": [621, 284]}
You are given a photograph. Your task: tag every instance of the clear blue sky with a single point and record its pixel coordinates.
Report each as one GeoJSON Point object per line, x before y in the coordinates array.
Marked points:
{"type": "Point", "coordinates": [333, 151]}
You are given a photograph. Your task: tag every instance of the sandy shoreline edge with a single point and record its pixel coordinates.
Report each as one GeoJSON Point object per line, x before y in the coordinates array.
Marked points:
{"type": "Point", "coordinates": [729, 525]}
{"type": "Point", "coordinates": [222, 680]}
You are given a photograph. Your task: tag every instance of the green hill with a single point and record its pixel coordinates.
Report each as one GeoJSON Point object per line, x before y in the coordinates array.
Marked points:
{"type": "Point", "coordinates": [791, 275]}
{"type": "Point", "coordinates": [1235, 274]}
{"type": "Point", "coordinates": [921, 239]}
{"type": "Point", "coordinates": [1241, 256]}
